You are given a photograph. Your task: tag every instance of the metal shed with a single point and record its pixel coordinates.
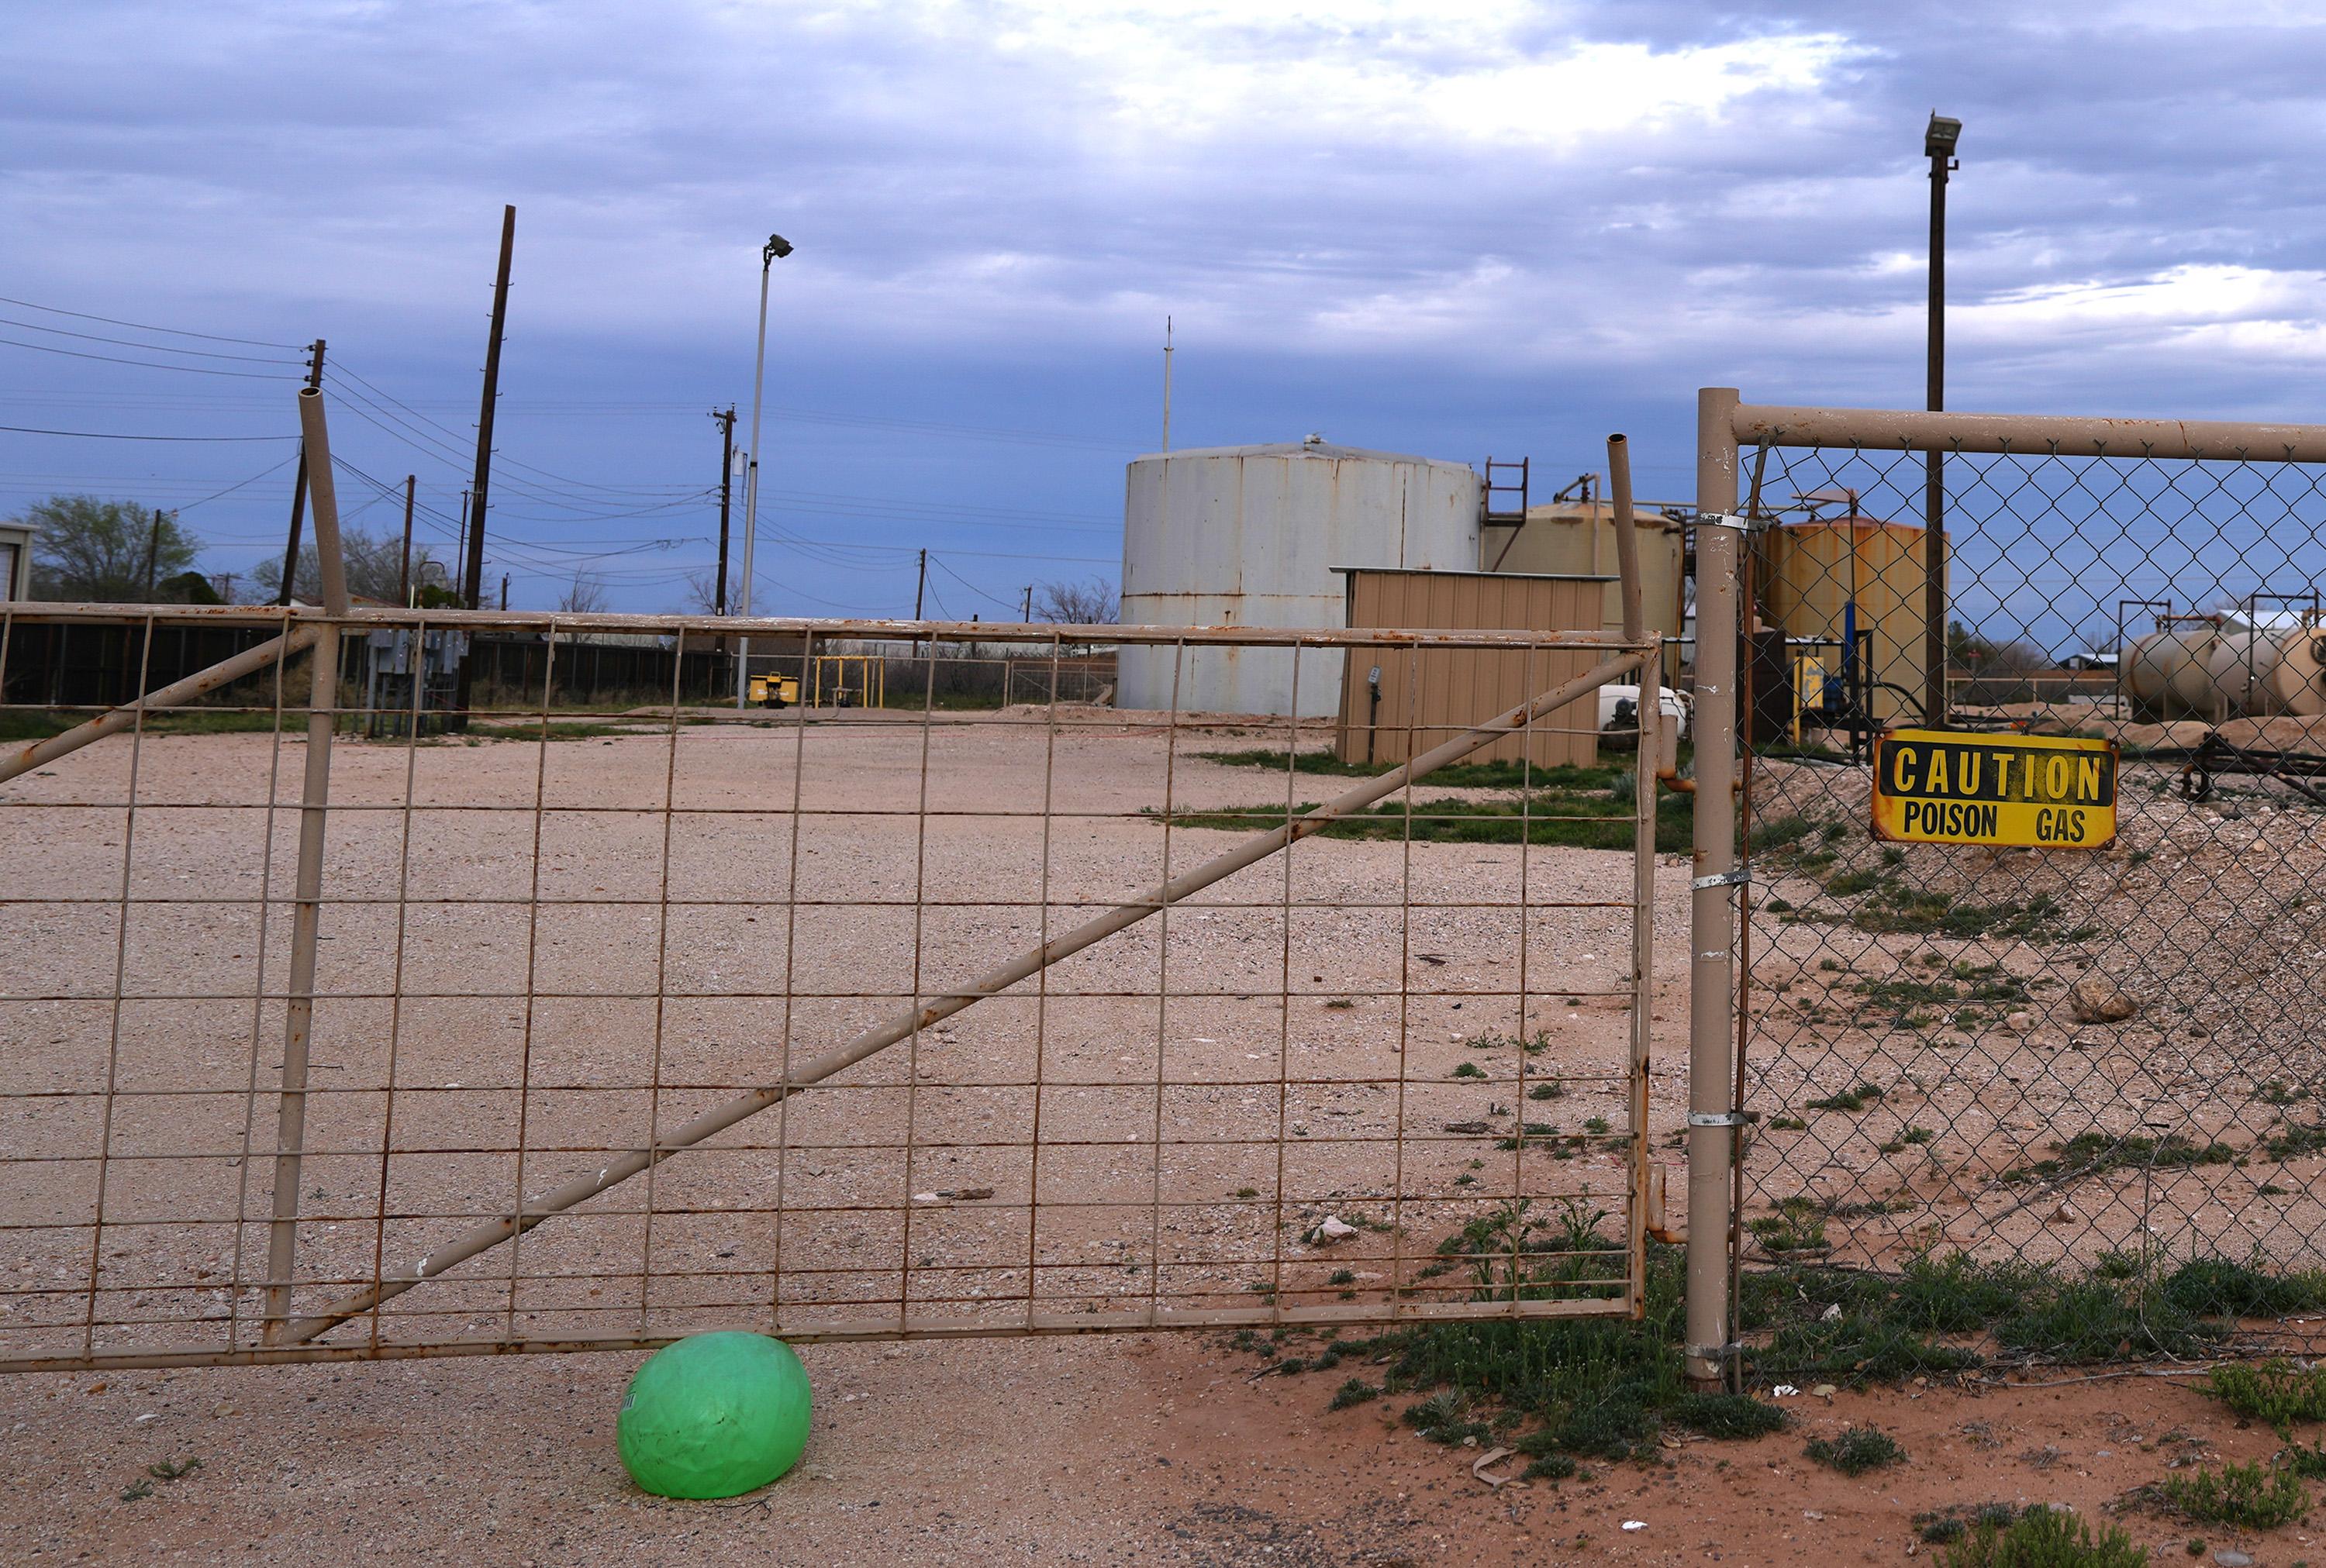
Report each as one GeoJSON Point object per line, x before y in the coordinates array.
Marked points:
{"type": "Point", "coordinates": [1398, 703]}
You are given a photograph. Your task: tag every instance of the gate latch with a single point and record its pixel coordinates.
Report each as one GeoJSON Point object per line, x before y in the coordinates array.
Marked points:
{"type": "Point", "coordinates": [1736, 879]}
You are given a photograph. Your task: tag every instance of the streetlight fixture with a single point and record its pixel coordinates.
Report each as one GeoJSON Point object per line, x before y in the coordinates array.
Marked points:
{"type": "Point", "coordinates": [1938, 139]}
{"type": "Point", "coordinates": [776, 249]}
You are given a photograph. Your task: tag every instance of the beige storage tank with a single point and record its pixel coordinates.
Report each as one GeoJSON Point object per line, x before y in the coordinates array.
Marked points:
{"type": "Point", "coordinates": [1578, 539]}
{"type": "Point", "coordinates": [2169, 672]}
{"type": "Point", "coordinates": [1825, 579]}
{"type": "Point", "coordinates": [2299, 679]}
{"type": "Point", "coordinates": [2199, 668]}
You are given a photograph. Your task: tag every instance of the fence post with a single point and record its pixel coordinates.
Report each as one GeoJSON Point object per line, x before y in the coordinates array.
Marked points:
{"type": "Point", "coordinates": [1712, 1130]}
{"type": "Point", "coordinates": [314, 808]}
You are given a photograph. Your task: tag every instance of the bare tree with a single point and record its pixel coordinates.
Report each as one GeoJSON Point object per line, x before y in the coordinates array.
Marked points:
{"type": "Point", "coordinates": [374, 564]}
{"type": "Point", "coordinates": [1078, 604]}
{"type": "Point", "coordinates": [584, 595]}
{"type": "Point", "coordinates": [702, 592]}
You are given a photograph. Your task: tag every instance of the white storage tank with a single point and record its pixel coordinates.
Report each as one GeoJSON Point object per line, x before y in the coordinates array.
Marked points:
{"type": "Point", "coordinates": [1249, 536]}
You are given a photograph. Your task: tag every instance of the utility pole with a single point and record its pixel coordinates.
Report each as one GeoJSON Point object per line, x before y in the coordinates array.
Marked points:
{"type": "Point", "coordinates": [1026, 610]}
{"type": "Point", "coordinates": [153, 548]}
{"type": "Point", "coordinates": [726, 424]}
{"type": "Point", "coordinates": [504, 591]}
{"type": "Point", "coordinates": [921, 586]}
{"type": "Point", "coordinates": [299, 484]}
{"type": "Point", "coordinates": [480, 487]}
{"type": "Point", "coordinates": [404, 572]}
{"type": "Point", "coordinates": [226, 586]}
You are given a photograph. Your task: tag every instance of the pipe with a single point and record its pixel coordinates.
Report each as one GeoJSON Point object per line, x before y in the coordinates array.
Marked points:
{"type": "Point", "coordinates": [1712, 1144]}
{"type": "Point", "coordinates": [2221, 440]}
{"type": "Point", "coordinates": [315, 812]}
{"type": "Point", "coordinates": [483, 1237]}
{"type": "Point", "coordinates": [1643, 847]}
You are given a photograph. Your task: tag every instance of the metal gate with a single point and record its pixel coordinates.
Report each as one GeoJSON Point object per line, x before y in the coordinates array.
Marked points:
{"type": "Point", "coordinates": [567, 1029]}
{"type": "Point", "coordinates": [2090, 1074]}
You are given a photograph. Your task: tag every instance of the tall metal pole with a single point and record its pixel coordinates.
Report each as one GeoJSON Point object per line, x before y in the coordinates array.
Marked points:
{"type": "Point", "coordinates": [776, 246]}
{"type": "Point", "coordinates": [1712, 1122]}
{"type": "Point", "coordinates": [403, 569]}
{"type": "Point", "coordinates": [1166, 383]}
{"type": "Point", "coordinates": [299, 483]}
{"type": "Point", "coordinates": [480, 487]}
{"type": "Point", "coordinates": [921, 585]}
{"type": "Point", "coordinates": [1939, 144]}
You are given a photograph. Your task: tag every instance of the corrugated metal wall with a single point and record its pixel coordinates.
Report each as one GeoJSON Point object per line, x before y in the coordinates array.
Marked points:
{"type": "Point", "coordinates": [1430, 695]}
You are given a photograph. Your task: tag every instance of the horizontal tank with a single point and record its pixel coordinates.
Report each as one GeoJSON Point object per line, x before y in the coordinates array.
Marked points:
{"type": "Point", "coordinates": [1578, 539]}
{"type": "Point", "coordinates": [2203, 668]}
{"type": "Point", "coordinates": [1249, 536]}
{"type": "Point", "coordinates": [1826, 580]}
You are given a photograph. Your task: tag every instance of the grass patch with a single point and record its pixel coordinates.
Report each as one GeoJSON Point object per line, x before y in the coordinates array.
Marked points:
{"type": "Point", "coordinates": [2040, 1538]}
{"type": "Point", "coordinates": [1856, 1096]}
{"type": "Point", "coordinates": [2089, 1154]}
{"type": "Point", "coordinates": [1856, 1450]}
{"type": "Point", "coordinates": [1582, 814]}
{"type": "Point", "coordinates": [1355, 1391]}
{"type": "Point", "coordinates": [2246, 1496]}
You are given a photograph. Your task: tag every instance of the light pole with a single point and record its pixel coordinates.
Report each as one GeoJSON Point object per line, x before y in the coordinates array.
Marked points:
{"type": "Point", "coordinates": [1938, 139]}
{"type": "Point", "coordinates": [776, 247]}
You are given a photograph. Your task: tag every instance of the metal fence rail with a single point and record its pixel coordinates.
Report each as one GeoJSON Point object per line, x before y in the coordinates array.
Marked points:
{"type": "Point", "coordinates": [2097, 1063]}
{"type": "Point", "coordinates": [1392, 1066]}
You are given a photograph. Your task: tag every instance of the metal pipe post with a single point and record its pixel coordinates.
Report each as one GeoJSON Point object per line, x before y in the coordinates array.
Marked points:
{"type": "Point", "coordinates": [1934, 523]}
{"type": "Point", "coordinates": [751, 481]}
{"type": "Point", "coordinates": [314, 808]}
{"type": "Point", "coordinates": [1711, 1116]}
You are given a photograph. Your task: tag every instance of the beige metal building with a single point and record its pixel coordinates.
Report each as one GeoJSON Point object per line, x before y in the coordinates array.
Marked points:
{"type": "Point", "coordinates": [1397, 702]}
{"type": "Point", "coordinates": [15, 559]}
{"type": "Point", "coordinates": [1578, 539]}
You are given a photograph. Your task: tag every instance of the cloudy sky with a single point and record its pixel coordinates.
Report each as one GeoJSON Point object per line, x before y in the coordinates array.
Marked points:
{"type": "Point", "coordinates": [1450, 227]}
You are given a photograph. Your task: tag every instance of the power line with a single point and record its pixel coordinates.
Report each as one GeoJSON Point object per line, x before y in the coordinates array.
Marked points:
{"type": "Point", "coordinates": [133, 343]}
{"type": "Point", "coordinates": [141, 327]}
{"type": "Point", "coordinates": [99, 435]}
{"type": "Point", "coordinates": [147, 364]}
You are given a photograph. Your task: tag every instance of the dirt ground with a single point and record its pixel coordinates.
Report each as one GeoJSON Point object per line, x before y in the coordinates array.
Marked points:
{"type": "Point", "coordinates": [1153, 1448]}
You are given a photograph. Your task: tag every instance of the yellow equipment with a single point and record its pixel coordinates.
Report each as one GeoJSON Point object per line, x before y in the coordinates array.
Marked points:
{"type": "Point", "coordinates": [775, 691]}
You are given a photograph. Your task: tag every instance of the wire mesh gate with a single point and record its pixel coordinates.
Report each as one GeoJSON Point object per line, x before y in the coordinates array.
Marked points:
{"type": "Point", "coordinates": [2090, 1076]}
{"type": "Point", "coordinates": [544, 1080]}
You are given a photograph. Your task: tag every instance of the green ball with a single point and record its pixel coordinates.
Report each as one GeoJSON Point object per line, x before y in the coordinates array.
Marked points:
{"type": "Point", "coordinates": [714, 1416]}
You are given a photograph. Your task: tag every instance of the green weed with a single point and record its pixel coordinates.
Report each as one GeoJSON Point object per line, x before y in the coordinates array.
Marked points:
{"type": "Point", "coordinates": [2246, 1496]}
{"type": "Point", "coordinates": [2042, 1539]}
{"type": "Point", "coordinates": [2274, 1391]}
{"type": "Point", "coordinates": [1856, 1450]}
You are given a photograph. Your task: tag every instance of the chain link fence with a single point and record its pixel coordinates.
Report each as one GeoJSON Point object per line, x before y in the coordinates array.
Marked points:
{"type": "Point", "coordinates": [2033, 1102]}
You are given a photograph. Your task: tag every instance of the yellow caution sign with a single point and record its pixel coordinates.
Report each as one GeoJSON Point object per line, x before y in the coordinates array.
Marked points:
{"type": "Point", "coordinates": [1936, 786]}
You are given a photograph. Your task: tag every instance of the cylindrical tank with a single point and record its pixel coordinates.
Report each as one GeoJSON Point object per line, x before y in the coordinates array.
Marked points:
{"type": "Point", "coordinates": [1828, 578]}
{"type": "Point", "coordinates": [1578, 540]}
{"type": "Point", "coordinates": [2203, 669]}
{"type": "Point", "coordinates": [1249, 536]}
{"type": "Point", "coordinates": [2169, 674]}
{"type": "Point", "coordinates": [2298, 680]}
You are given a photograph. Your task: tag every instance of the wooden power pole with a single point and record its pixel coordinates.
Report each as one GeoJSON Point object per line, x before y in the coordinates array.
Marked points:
{"type": "Point", "coordinates": [299, 484]}
{"type": "Point", "coordinates": [477, 490]}
{"type": "Point", "coordinates": [726, 422]}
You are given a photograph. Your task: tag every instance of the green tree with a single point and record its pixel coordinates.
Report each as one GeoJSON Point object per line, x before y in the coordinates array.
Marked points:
{"type": "Point", "coordinates": [105, 551]}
